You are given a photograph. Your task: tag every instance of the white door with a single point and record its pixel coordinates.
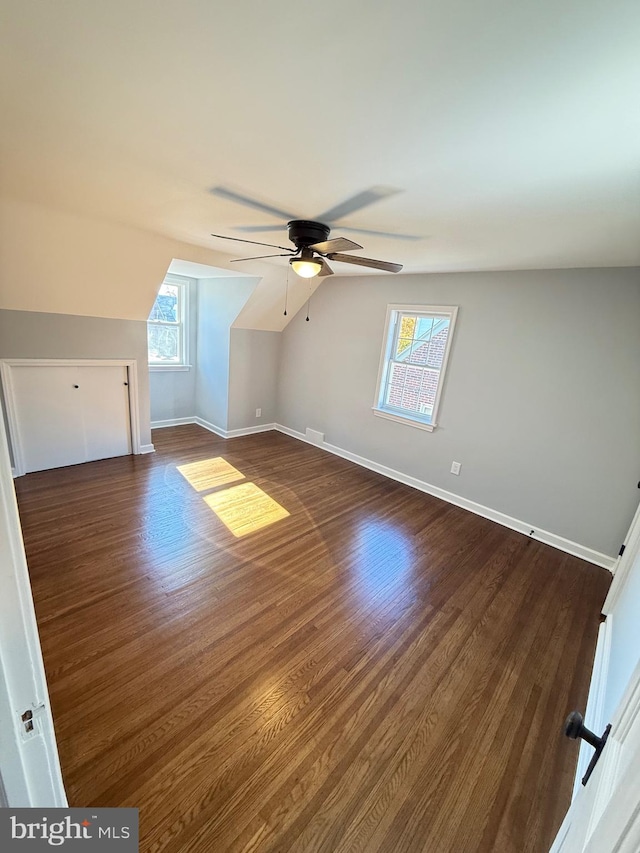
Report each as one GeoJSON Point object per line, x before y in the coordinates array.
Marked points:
{"type": "Point", "coordinates": [605, 814]}
{"type": "Point", "coordinates": [48, 416]}
{"type": "Point", "coordinates": [29, 764]}
{"type": "Point", "coordinates": [104, 393]}
{"type": "Point", "coordinates": [67, 414]}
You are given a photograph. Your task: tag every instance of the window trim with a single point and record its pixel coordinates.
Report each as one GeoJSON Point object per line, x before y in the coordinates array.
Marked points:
{"type": "Point", "coordinates": [183, 283]}
{"type": "Point", "coordinates": [450, 311]}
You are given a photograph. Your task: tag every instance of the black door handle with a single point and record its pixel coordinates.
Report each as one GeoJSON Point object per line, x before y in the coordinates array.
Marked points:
{"type": "Point", "coordinates": [126, 383]}
{"type": "Point", "coordinates": [575, 728]}
{"type": "Point", "coordinates": [76, 386]}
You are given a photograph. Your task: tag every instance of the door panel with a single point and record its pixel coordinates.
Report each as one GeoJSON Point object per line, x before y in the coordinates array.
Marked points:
{"type": "Point", "coordinates": [29, 761]}
{"type": "Point", "coordinates": [605, 814]}
{"type": "Point", "coordinates": [105, 411]}
{"type": "Point", "coordinates": [49, 416]}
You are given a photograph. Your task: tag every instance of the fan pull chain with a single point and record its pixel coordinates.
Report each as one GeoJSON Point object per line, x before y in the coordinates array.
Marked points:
{"type": "Point", "coordinates": [286, 292]}
{"type": "Point", "coordinates": [308, 302]}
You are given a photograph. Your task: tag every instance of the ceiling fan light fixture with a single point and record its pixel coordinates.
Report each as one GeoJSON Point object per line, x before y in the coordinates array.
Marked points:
{"type": "Point", "coordinates": [306, 267]}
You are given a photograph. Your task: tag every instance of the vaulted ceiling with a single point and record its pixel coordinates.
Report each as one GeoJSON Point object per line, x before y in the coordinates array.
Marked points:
{"type": "Point", "coordinates": [511, 128]}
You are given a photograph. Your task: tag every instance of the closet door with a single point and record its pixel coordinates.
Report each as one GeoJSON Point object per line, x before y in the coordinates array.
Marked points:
{"type": "Point", "coordinates": [49, 416]}
{"type": "Point", "coordinates": [104, 395]}
{"type": "Point", "coordinates": [67, 414]}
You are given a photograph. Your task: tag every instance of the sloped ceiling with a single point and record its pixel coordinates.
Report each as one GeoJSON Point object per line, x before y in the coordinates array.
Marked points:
{"type": "Point", "coordinates": [512, 129]}
{"type": "Point", "coordinates": [64, 263]}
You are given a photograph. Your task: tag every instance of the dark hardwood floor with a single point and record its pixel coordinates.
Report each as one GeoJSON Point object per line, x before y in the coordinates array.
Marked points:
{"type": "Point", "coordinates": [375, 671]}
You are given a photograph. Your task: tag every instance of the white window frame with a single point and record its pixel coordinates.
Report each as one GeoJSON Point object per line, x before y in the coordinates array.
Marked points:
{"type": "Point", "coordinates": [392, 323]}
{"type": "Point", "coordinates": [182, 325]}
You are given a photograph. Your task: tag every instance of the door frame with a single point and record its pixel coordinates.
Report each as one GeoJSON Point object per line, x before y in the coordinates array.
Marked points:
{"type": "Point", "coordinates": [6, 365]}
{"type": "Point", "coordinates": [631, 546]}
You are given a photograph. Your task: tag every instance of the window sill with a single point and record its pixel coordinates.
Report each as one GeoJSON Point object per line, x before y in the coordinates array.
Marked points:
{"type": "Point", "coordinates": [161, 368]}
{"type": "Point", "coordinates": [380, 413]}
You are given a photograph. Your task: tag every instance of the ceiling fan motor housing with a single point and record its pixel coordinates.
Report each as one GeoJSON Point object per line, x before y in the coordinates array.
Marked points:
{"type": "Point", "coordinates": [304, 232]}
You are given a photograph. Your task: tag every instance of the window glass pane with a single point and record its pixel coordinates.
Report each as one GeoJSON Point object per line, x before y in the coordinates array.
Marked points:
{"type": "Point", "coordinates": [395, 385]}
{"type": "Point", "coordinates": [428, 389]}
{"type": "Point", "coordinates": [166, 306]}
{"type": "Point", "coordinates": [424, 327]}
{"type": "Point", "coordinates": [419, 353]}
{"type": "Point", "coordinates": [164, 343]}
{"type": "Point", "coordinates": [438, 344]}
{"type": "Point", "coordinates": [403, 346]}
{"type": "Point", "coordinates": [407, 326]}
{"type": "Point", "coordinates": [411, 391]}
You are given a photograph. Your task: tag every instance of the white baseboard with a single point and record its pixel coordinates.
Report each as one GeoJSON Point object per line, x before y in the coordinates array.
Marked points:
{"type": "Point", "coordinates": [223, 433]}
{"type": "Point", "coordinates": [211, 427]}
{"type": "Point", "coordinates": [235, 433]}
{"type": "Point", "coordinates": [172, 422]}
{"type": "Point", "coordinates": [566, 545]}
{"type": "Point", "coordinates": [593, 715]}
{"type": "Point", "coordinates": [147, 448]}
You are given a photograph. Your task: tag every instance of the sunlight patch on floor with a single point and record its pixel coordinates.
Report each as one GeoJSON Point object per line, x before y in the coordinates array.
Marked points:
{"type": "Point", "coordinates": [246, 508]}
{"type": "Point", "coordinates": [209, 473]}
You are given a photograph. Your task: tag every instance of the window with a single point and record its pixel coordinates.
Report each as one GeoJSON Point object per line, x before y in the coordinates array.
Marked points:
{"type": "Point", "coordinates": [414, 357]}
{"type": "Point", "coordinates": [166, 327]}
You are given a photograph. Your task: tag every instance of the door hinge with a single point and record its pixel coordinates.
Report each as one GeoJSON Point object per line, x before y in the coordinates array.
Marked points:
{"type": "Point", "coordinates": [29, 719]}
{"type": "Point", "coordinates": [621, 551]}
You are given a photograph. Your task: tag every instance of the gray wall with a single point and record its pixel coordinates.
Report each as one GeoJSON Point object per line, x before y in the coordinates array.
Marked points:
{"type": "Point", "coordinates": [540, 405]}
{"type": "Point", "coordinates": [253, 374]}
{"type": "Point", "coordinates": [173, 392]}
{"type": "Point", "coordinates": [219, 302]}
{"type": "Point", "coordinates": [233, 371]}
{"type": "Point", "coordinates": [30, 334]}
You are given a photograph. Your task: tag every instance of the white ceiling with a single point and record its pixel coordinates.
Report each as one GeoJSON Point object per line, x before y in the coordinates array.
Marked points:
{"type": "Point", "coordinates": [512, 127]}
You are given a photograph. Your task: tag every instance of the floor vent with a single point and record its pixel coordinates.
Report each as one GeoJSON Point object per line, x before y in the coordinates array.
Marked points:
{"type": "Point", "coordinates": [314, 436]}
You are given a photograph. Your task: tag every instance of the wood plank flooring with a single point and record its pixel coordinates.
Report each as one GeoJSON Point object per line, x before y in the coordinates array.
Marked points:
{"type": "Point", "coordinates": [375, 672]}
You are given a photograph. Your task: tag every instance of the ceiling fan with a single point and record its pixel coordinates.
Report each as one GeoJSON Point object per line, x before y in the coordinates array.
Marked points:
{"type": "Point", "coordinates": [310, 236]}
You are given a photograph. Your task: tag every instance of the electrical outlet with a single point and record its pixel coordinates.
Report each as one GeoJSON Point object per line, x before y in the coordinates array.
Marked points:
{"type": "Point", "coordinates": [258, 413]}
{"type": "Point", "coordinates": [455, 468]}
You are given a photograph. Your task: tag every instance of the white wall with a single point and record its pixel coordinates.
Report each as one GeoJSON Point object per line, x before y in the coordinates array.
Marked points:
{"type": "Point", "coordinates": [30, 334]}
{"type": "Point", "coordinates": [540, 405]}
{"type": "Point", "coordinates": [219, 301]}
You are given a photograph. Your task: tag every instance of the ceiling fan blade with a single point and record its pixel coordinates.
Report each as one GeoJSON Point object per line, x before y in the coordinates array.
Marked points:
{"type": "Point", "coordinates": [356, 202]}
{"type": "Point", "coordinates": [381, 233]}
{"type": "Point", "coordinates": [259, 257]}
{"type": "Point", "coordinates": [340, 244]}
{"type": "Point", "coordinates": [326, 269]}
{"type": "Point", "coordinates": [255, 243]}
{"type": "Point", "coordinates": [365, 262]}
{"type": "Point", "coordinates": [231, 195]}
{"type": "Point", "coordinates": [259, 229]}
